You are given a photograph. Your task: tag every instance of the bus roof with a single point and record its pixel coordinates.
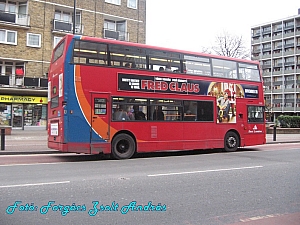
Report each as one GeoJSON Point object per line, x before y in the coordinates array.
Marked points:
{"type": "Point", "coordinates": [110, 41]}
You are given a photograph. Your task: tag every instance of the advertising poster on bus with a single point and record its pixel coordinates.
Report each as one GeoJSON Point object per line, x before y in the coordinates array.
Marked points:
{"type": "Point", "coordinates": [225, 93]}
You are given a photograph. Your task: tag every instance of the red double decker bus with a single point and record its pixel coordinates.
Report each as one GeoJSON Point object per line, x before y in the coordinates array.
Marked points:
{"type": "Point", "coordinates": [122, 98]}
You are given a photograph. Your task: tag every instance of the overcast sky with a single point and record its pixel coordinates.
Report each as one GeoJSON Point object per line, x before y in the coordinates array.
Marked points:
{"type": "Point", "coordinates": [193, 24]}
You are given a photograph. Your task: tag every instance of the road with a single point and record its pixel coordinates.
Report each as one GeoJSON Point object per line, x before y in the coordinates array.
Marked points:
{"type": "Point", "coordinates": [253, 186]}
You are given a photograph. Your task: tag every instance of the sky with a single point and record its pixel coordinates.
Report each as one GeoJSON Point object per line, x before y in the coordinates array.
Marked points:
{"type": "Point", "coordinates": [194, 24]}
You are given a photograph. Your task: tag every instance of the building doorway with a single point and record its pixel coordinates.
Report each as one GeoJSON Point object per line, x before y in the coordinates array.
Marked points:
{"type": "Point", "coordinates": [17, 115]}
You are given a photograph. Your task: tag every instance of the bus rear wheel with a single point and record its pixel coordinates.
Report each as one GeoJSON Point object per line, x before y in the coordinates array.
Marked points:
{"type": "Point", "coordinates": [123, 146]}
{"type": "Point", "coordinates": [231, 142]}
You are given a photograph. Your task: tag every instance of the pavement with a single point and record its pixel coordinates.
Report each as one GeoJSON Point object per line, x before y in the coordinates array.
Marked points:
{"type": "Point", "coordinates": [35, 142]}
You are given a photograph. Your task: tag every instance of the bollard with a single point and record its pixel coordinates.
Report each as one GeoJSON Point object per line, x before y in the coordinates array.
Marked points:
{"type": "Point", "coordinates": [274, 133]}
{"type": "Point", "coordinates": [2, 139]}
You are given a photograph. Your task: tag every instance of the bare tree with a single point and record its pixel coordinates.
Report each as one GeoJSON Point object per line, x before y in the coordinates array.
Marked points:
{"type": "Point", "coordinates": [231, 46]}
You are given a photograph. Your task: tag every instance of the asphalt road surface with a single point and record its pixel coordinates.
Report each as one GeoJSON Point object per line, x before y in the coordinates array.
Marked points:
{"type": "Point", "coordinates": [254, 186]}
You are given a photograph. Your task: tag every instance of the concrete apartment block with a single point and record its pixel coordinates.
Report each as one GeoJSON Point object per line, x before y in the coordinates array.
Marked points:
{"type": "Point", "coordinates": [277, 46]}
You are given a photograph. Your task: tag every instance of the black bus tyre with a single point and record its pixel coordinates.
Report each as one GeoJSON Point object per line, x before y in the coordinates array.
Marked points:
{"type": "Point", "coordinates": [231, 142]}
{"type": "Point", "coordinates": [123, 146]}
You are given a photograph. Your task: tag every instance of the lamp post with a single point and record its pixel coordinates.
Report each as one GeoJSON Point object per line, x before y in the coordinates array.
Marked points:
{"type": "Point", "coordinates": [74, 17]}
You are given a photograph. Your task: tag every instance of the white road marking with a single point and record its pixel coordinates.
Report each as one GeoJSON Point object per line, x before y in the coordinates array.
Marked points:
{"type": "Point", "coordinates": [33, 164]}
{"type": "Point", "coordinates": [260, 217]}
{"type": "Point", "coordinates": [26, 145]}
{"type": "Point", "coordinates": [36, 184]}
{"type": "Point", "coordinates": [38, 155]}
{"type": "Point", "coordinates": [203, 171]}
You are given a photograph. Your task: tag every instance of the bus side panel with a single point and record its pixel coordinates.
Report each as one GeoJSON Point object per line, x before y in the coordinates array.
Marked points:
{"type": "Point", "coordinates": [160, 136]}
{"type": "Point", "coordinates": [257, 139]}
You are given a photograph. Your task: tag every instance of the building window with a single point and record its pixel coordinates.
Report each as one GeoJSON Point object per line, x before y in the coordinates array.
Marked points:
{"type": "Point", "coordinates": [8, 6]}
{"type": "Point", "coordinates": [115, 30]}
{"type": "Point", "coordinates": [132, 4]}
{"type": "Point", "coordinates": [63, 21]}
{"type": "Point", "coordinates": [63, 16]}
{"type": "Point", "coordinates": [12, 73]}
{"type": "Point", "coordinates": [116, 2]}
{"type": "Point", "coordinates": [56, 40]}
{"type": "Point", "coordinates": [8, 37]}
{"type": "Point", "coordinates": [33, 40]}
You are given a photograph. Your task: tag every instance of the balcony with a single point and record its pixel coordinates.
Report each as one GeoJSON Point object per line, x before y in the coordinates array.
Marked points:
{"type": "Point", "coordinates": [288, 100]}
{"type": "Point", "coordinates": [256, 57]}
{"type": "Point", "coordinates": [255, 41]}
{"type": "Point", "coordinates": [277, 83]}
{"type": "Point", "coordinates": [289, 71]}
{"type": "Point", "coordinates": [289, 63]}
{"type": "Point", "coordinates": [266, 56]}
{"type": "Point", "coordinates": [265, 49]}
{"type": "Point", "coordinates": [116, 35]}
{"type": "Point", "coordinates": [289, 82]}
{"type": "Point", "coordinates": [266, 74]}
{"type": "Point", "coordinates": [277, 29]}
{"type": "Point", "coordinates": [266, 66]}
{"type": "Point", "coordinates": [289, 27]}
{"type": "Point", "coordinates": [14, 19]}
{"type": "Point", "coordinates": [276, 37]}
{"type": "Point", "coordinates": [277, 64]}
{"type": "Point", "coordinates": [278, 47]}
{"type": "Point", "coordinates": [65, 27]}
{"type": "Point", "coordinates": [4, 80]}
{"type": "Point", "coordinates": [290, 34]}
{"type": "Point", "coordinates": [266, 30]}
{"type": "Point", "coordinates": [23, 82]}
{"type": "Point", "coordinates": [256, 34]}
{"type": "Point", "coordinates": [289, 45]}
{"type": "Point", "coordinates": [287, 53]}
{"type": "Point", "coordinates": [266, 39]}
{"type": "Point", "coordinates": [289, 90]}
{"type": "Point", "coordinates": [277, 54]}
{"type": "Point", "coordinates": [267, 91]}
{"type": "Point", "coordinates": [288, 108]}
{"type": "Point", "coordinates": [277, 72]}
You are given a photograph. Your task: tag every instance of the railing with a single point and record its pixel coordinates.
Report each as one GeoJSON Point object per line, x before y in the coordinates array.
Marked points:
{"type": "Point", "coordinates": [288, 108]}
{"type": "Point", "coordinates": [14, 18]}
{"type": "Point", "coordinates": [116, 35]}
{"type": "Point", "coordinates": [63, 26]}
{"type": "Point", "coordinates": [287, 27]}
{"type": "Point", "coordinates": [23, 82]}
{"type": "Point", "coordinates": [266, 66]}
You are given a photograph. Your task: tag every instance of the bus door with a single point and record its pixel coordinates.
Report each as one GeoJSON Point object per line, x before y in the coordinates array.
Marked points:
{"type": "Point", "coordinates": [100, 118]}
{"type": "Point", "coordinates": [241, 116]}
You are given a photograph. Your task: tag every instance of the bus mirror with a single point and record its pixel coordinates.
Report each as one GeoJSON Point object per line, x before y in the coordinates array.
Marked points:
{"type": "Point", "coordinates": [64, 103]}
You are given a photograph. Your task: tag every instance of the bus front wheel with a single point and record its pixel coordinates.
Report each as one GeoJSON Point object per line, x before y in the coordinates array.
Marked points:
{"type": "Point", "coordinates": [231, 142]}
{"type": "Point", "coordinates": [123, 146]}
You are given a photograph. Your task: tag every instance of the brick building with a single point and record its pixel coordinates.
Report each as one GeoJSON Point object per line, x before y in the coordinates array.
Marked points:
{"type": "Point", "coordinates": [30, 29]}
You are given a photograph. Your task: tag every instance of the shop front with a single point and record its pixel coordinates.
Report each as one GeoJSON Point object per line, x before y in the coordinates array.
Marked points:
{"type": "Point", "coordinates": [23, 111]}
